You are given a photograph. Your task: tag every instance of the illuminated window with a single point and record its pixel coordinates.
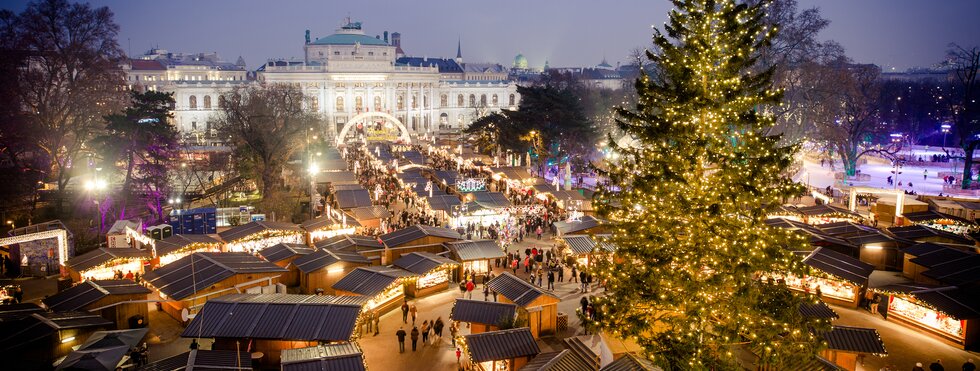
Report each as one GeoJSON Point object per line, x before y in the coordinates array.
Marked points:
{"type": "Point", "coordinates": [483, 100]}
{"type": "Point", "coordinates": [401, 103]}
{"type": "Point", "coordinates": [193, 102]}
{"type": "Point", "coordinates": [358, 103]}
{"type": "Point", "coordinates": [315, 104]}
{"type": "Point", "coordinates": [472, 100]}
{"type": "Point", "coordinates": [377, 103]}
{"type": "Point", "coordinates": [511, 99]}
{"type": "Point", "coordinates": [415, 103]}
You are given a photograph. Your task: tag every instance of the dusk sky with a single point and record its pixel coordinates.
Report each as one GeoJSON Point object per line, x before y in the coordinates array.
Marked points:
{"type": "Point", "coordinates": [891, 33]}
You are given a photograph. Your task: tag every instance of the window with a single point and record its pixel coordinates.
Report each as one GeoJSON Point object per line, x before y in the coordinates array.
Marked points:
{"type": "Point", "coordinates": [358, 103]}
{"type": "Point", "coordinates": [315, 104]}
{"type": "Point", "coordinates": [207, 102]}
{"type": "Point", "coordinates": [377, 103]}
{"type": "Point", "coordinates": [472, 100]}
{"type": "Point", "coordinates": [443, 100]}
{"type": "Point", "coordinates": [340, 104]}
{"type": "Point", "coordinates": [425, 101]}
{"type": "Point", "coordinates": [221, 101]}
{"type": "Point", "coordinates": [494, 101]}
{"type": "Point", "coordinates": [193, 102]}
{"type": "Point", "coordinates": [415, 103]}
{"type": "Point", "coordinates": [193, 125]}
{"type": "Point", "coordinates": [483, 100]}
{"type": "Point", "coordinates": [511, 100]}
{"type": "Point", "coordinates": [459, 101]}
{"type": "Point", "coordinates": [371, 54]}
{"type": "Point", "coordinates": [336, 53]}
{"type": "Point", "coordinates": [401, 103]}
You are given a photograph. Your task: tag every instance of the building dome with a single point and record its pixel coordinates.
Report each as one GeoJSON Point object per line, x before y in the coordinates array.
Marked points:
{"type": "Point", "coordinates": [349, 34]}
{"type": "Point", "coordinates": [520, 62]}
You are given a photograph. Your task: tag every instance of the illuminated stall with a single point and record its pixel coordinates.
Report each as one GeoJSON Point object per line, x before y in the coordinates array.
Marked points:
{"type": "Point", "coordinates": [922, 233]}
{"type": "Point", "coordinates": [513, 177]}
{"type": "Point", "coordinates": [178, 246]}
{"type": "Point", "coordinates": [433, 272]}
{"type": "Point", "coordinates": [321, 269]}
{"type": "Point", "coordinates": [475, 256]}
{"type": "Point", "coordinates": [482, 316]}
{"type": "Point", "coordinates": [283, 255]}
{"type": "Point", "coordinates": [416, 238]}
{"type": "Point", "coordinates": [258, 235]}
{"type": "Point", "coordinates": [840, 279]}
{"type": "Point", "coordinates": [384, 287]}
{"type": "Point", "coordinates": [332, 223]}
{"type": "Point", "coordinates": [485, 353]}
{"type": "Point", "coordinates": [587, 225]}
{"type": "Point", "coordinates": [103, 263]}
{"type": "Point", "coordinates": [947, 313]}
{"type": "Point", "coordinates": [583, 248]}
{"type": "Point", "coordinates": [824, 213]}
{"type": "Point", "coordinates": [942, 222]}
{"type": "Point", "coordinates": [367, 217]}
{"type": "Point", "coordinates": [847, 346]}
{"type": "Point", "coordinates": [539, 306]}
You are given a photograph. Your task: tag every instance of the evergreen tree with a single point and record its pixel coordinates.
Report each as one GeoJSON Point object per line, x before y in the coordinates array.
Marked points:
{"type": "Point", "coordinates": [688, 213]}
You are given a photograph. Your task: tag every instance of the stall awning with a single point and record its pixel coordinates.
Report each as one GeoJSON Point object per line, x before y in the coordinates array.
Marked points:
{"type": "Point", "coordinates": [818, 310]}
{"type": "Point", "coordinates": [512, 172]}
{"type": "Point", "coordinates": [325, 221]}
{"type": "Point", "coordinates": [839, 265]}
{"type": "Point", "coordinates": [854, 340]}
{"type": "Point", "coordinates": [283, 251]}
{"type": "Point", "coordinates": [631, 362]}
{"type": "Point", "coordinates": [586, 222]}
{"type": "Point", "coordinates": [825, 209]}
{"type": "Point", "coordinates": [416, 232]}
{"type": "Point", "coordinates": [790, 224]}
{"type": "Point", "coordinates": [422, 263]}
{"type": "Point", "coordinates": [334, 357]}
{"type": "Point", "coordinates": [517, 290]}
{"type": "Point", "coordinates": [490, 200]}
{"type": "Point", "coordinates": [930, 215]}
{"type": "Point", "coordinates": [242, 231]}
{"type": "Point", "coordinates": [333, 165]}
{"type": "Point", "coordinates": [345, 242]}
{"type": "Point", "coordinates": [371, 281]}
{"type": "Point", "coordinates": [446, 177]}
{"type": "Point", "coordinates": [479, 311]}
{"type": "Point", "coordinates": [198, 271]}
{"type": "Point", "coordinates": [180, 241]}
{"type": "Point", "coordinates": [368, 213]}
{"type": "Point", "coordinates": [845, 229]}
{"type": "Point", "coordinates": [958, 303]}
{"type": "Point", "coordinates": [917, 232]}
{"type": "Point", "coordinates": [323, 258]}
{"type": "Point", "coordinates": [579, 244]}
{"type": "Point", "coordinates": [336, 177]}
{"type": "Point", "coordinates": [352, 198]}
{"type": "Point", "coordinates": [104, 255]}
{"type": "Point", "coordinates": [88, 292]}
{"type": "Point", "coordinates": [475, 250]}
{"type": "Point", "coordinates": [502, 345]}
{"type": "Point", "coordinates": [443, 202]}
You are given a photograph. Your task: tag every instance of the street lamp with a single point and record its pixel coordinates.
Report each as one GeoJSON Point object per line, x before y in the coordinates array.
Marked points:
{"type": "Point", "coordinates": [313, 170]}
{"type": "Point", "coordinates": [945, 129]}
{"type": "Point", "coordinates": [96, 185]}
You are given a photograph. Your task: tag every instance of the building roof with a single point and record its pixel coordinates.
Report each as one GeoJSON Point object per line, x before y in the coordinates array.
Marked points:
{"type": "Point", "coordinates": [145, 65]}
{"type": "Point", "coordinates": [918, 231]}
{"type": "Point", "coordinates": [501, 345]}
{"type": "Point", "coordinates": [957, 303]}
{"type": "Point", "coordinates": [200, 359]}
{"type": "Point", "coordinates": [369, 212]}
{"type": "Point", "coordinates": [484, 68]}
{"type": "Point", "coordinates": [854, 340]}
{"type": "Point", "coordinates": [323, 258]}
{"type": "Point", "coordinates": [104, 255]}
{"type": "Point", "coordinates": [40, 325]}
{"type": "Point", "coordinates": [631, 362]}
{"type": "Point", "coordinates": [88, 292]}
{"type": "Point", "coordinates": [818, 310]}
{"type": "Point", "coordinates": [586, 222]}
{"type": "Point", "coordinates": [442, 202]}
{"type": "Point", "coordinates": [180, 241]}
{"type": "Point", "coordinates": [197, 271]}
{"type": "Point", "coordinates": [445, 65]}
{"type": "Point", "coordinates": [371, 280]}
{"type": "Point", "coordinates": [351, 198]}
{"type": "Point", "coordinates": [930, 215]}
{"type": "Point", "coordinates": [245, 230]}
{"type": "Point", "coordinates": [334, 357]}
{"type": "Point", "coordinates": [517, 290]}
{"type": "Point", "coordinates": [348, 39]}
{"type": "Point", "coordinates": [479, 311]}
{"type": "Point", "coordinates": [564, 360]}
{"type": "Point", "coordinates": [839, 265]}
{"type": "Point", "coordinates": [276, 317]}
{"type": "Point", "coordinates": [347, 241]}
{"type": "Point", "coordinates": [421, 262]}
{"type": "Point", "coordinates": [579, 244]}
{"type": "Point", "coordinates": [415, 232]}
{"type": "Point", "coordinates": [282, 251]}
{"type": "Point", "coordinates": [475, 250]}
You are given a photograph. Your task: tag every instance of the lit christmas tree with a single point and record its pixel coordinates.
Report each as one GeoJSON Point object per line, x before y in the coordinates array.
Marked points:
{"type": "Point", "coordinates": [693, 194]}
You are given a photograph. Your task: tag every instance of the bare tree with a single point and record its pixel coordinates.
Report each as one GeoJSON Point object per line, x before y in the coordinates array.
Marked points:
{"type": "Point", "coordinates": [964, 64]}
{"type": "Point", "coordinates": [847, 109]}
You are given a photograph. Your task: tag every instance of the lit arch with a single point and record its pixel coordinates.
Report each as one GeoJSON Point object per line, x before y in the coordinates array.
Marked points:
{"type": "Point", "coordinates": [362, 118]}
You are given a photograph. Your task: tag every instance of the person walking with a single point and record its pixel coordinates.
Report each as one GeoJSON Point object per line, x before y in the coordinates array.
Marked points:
{"type": "Point", "coordinates": [405, 312]}
{"type": "Point", "coordinates": [561, 273]}
{"type": "Point", "coordinates": [588, 278]}
{"type": "Point", "coordinates": [937, 366]}
{"type": "Point", "coordinates": [551, 280]}
{"type": "Point", "coordinates": [401, 339]}
{"type": "Point", "coordinates": [452, 331]}
{"type": "Point", "coordinates": [414, 311]}
{"type": "Point", "coordinates": [415, 337]}
{"type": "Point", "coordinates": [437, 328]}
{"type": "Point", "coordinates": [370, 322]}
{"type": "Point", "coordinates": [969, 366]}
{"type": "Point", "coordinates": [574, 273]}
{"type": "Point", "coordinates": [540, 277]}
{"type": "Point", "coordinates": [469, 288]}
{"type": "Point", "coordinates": [581, 278]}
{"type": "Point", "coordinates": [513, 265]}
{"type": "Point", "coordinates": [377, 321]}
{"type": "Point", "coordinates": [425, 332]}
{"type": "Point", "coordinates": [538, 232]}
{"type": "Point", "coordinates": [486, 293]}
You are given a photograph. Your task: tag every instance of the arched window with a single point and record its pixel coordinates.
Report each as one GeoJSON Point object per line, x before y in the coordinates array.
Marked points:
{"type": "Point", "coordinates": [483, 100]}
{"type": "Point", "coordinates": [377, 103]}
{"type": "Point", "coordinates": [401, 103]}
{"type": "Point", "coordinates": [493, 100]}
{"type": "Point", "coordinates": [443, 100]}
{"type": "Point", "coordinates": [207, 102]}
{"type": "Point", "coordinates": [221, 101]}
{"type": "Point", "coordinates": [425, 101]}
{"type": "Point", "coordinates": [511, 100]}
{"type": "Point", "coordinates": [415, 103]}
{"type": "Point", "coordinates": [358, 103]}
{"type": "Point", "coordinates": [472, 100]}
{"type": "Point", "coordinates": [315, 104]}
{"type": "Point", "coordinates": [193, 102]}
{"type": "Point", "coordinates": [459, 101]}
{"type": "Point", "coordinates": [340, 104]}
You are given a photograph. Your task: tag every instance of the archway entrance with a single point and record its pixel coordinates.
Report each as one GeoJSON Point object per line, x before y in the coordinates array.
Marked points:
{"type": "Point", "coordinates": [363, 124]}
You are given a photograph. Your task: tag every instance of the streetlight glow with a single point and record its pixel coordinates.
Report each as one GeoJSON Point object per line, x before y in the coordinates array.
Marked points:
{"type": "Point", "coordinates": [313, 169]}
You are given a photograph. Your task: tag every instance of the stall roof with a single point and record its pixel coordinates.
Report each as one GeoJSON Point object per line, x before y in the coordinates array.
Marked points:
{"type": "Point", "coordinates": [479, 311]}
{"type": "Point", "coordinates": [415, 232]}
{"type": "Point", "coordinates": [956, 302]}
{"type": "Point", "coordinates": [106, 339]}
{"type": "Point", "coordinates": [414, 157]}
{"type": "Point", "coordinates": [95, 359]}
{"type": "Point", "coordinates": [564, 360]}
{"type": "Point", "coordinates": [931, 254]}
{"type": "Point", "coordinates": [197, 271]}
{"type": "Point", "coordinates": [104, 255]}
{"type": "Point", "coordinates": [334, 357]}
{"type": "Point", "coordinates": [517, 290]}
{"type": "Point", "coordinates": [501, 345]}
{"type": "Point", "coordinates": [119, 227]}
{"type": "Point", "coordinates": [781, 222]}
{"type": "Point", "coordinates": [446, 177]}
{"type": "Point", "coordinates": [874, 236]}
{"type": "Point", "coordinates": [30, 329]}
{"type": "Point", "coordinates": [282, 251]}
{"type": "Point", "coordinates": [88, 292]}
{"type": "Point", "coordinates": [346, 187]}
{"type": "Point", "coordinates": [369, 212]}
{"type": "Point", "coordinates": [915, 232]}
{"type": "Point", "coordinates": [324, 221]}
{"type": "Point", "coordinates": [854, 340]}
{"type": "Point", "coordinates": [336, 177]}
{"type": "Point", "coordinates": [443, 202]}
{"type": "Point", "coordinates": [276, 317]}
{"type": "Point", "coordinates": [818, 310]}
{"type": "Point", "coordinates": [180, 241]}
{"type": "Point", "coordinates": [512, 172]}
{"type": "Point", "coordinates": [325, 257]}
{"type": "Point", "coordinates": [586, 222]}
{"type": "Point", "coordinates": [962, 271]}
{"type": "Point", "coordinates": [825, 209]}
{"type": "Point", "coordinates": [930, 215]}
{"type": "Point", "coordinates": [421, 262]}
{"type": "Point", "coordinates": [351, 198]}
{"type": "Point", "coordinates": [580, 244]}
{"type": "Point", "coordinates": [475, 250]}
{"type": "Point", "coordinates": [372, 280]}
{"type": "Point", "coordinates": [631, 362]}
{"type": "Point", "coordinates": [839, 265]}
{"type": "Point", "coordinates": [200, 359]}
{"type": "Point", "coordinates": [347, 241]}
{"type": "Point", "coordinates": [245, 230]}
{"type": "Point", "coordinates": [845, 229]}
{"type": "Point", "coordinates": [333, 165]}
{"type": "Point", "coordinates": [491, 200]}
{"type": "Point", "coordinates": [10, 313]}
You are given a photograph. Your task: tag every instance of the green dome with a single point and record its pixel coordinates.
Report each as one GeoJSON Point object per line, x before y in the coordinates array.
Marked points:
{"type": "Point", "coordinates": [520, 61]}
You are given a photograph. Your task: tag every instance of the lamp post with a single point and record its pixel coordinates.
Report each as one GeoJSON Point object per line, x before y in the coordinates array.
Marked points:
{"type": "Point", "coordinates": [313, 170]}
{"type": "Point", "coordinates": [945, 129]}
{"type": "Point", "coordinates": [96, 186]}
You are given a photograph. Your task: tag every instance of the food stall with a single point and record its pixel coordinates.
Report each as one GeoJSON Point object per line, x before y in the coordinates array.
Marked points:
{"type": "Point", "coordinates": [942, 222]}
{"type": "Point", "coordinates": [383, 286]}
{"type": "Point", "coordinates": [103, 263]}
{"type": "Point", "coordinates": [583, 248]}
{"type": "Point", "coordinates": [432, 270]}
{"type": "Point", "coordinates": [332, 223]}
{"type": "Point", "coordinates": [258, 235]}
{"type": "Point", "coordinates": [484, 350]}
{"type": "Point", "coordinates": [840, 279]}
{"type": "Point", "coordinates": [947, 313]}
{"type": "Point", "coordinates": [474, 256]}
{"type": "Point", "coordinates": [178, 246]}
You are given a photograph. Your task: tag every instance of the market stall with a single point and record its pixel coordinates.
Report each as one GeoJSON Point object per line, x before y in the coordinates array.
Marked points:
{"type": "Point", "coordinates": [169, 249]}
{"type": "Point", "coordinates": [103, 263]}
{"type": "Point", "coordinates": [256, 236]}
{"type": "Point", "coordinates": [922, 233]}
{"type": "Point", "coordinates": [416, 238]}
{"type": "Point", "coordinates": [583, 248]}
{"type": "Point", "coordinates": [847, 346]}
{"type": "Point", "coordinates": [947, 313]}
{"type": "Point", "coordinates": [485, 352]}
{"type": "Point", "coordinates": [540, 306]}
{"type": "Point", "coordinates": [838, 278]}
{"type": "Point", "coordinates": [368, 216]}
{"type": "Point", "coordinates": [352, 198]}
{"type": "Point", "coordinates": [433, 273]}
{"type": "Point", "coordinates": [482, 316]}
{"type": "Point", "coordinates": [383, 287]}
{"type": "Point", "coordinates": [283, 255]}
{"type": "Point", "coordinates": [321, 269]}
{"type": "Point", "coordinates": [475, 256]}
{"type": "Point", "coordinates": [345, 356]}
{"type": "Point", "coordinates": [120, 301]}
{"type": "Point", "coordinates": [824, 213]}
{"type": "Point", "coordinates": [585, 225]}
{"type": "Point", "coordinates": [942, 222]}
{"type": "Point", "coordinates": [332, 223]}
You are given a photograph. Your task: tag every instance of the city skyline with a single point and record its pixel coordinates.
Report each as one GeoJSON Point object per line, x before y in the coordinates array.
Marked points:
{"type": "Point", "coordinates": [869, 30]}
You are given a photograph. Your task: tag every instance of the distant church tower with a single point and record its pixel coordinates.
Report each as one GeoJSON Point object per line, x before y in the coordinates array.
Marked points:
{"type": "Point", "coordinates": [459, 52]}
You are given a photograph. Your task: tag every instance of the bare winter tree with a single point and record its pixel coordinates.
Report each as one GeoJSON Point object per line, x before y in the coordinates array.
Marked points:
{"type": "Point", "coordinates": [964, 64]}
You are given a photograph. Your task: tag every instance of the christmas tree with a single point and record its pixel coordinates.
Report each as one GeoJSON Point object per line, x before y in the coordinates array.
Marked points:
{"type": "Point", "coordinates": [691, 198]}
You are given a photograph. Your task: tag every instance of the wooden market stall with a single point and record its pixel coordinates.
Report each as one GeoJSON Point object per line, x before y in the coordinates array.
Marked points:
{"type": "Point", "coordinates": [200, 359]}
{"type": "Point", "coordinates": [368, 216]}
{"type": "Point", "coordinates": [41, 338]}
{"type": "Point", "coordinates": [120, 301]}
{"type": "Point", "coordinates": [540, 307]}
{"type": "Point", "coordinates": [382, 287]}
{"type": "Point", "coordinates": [840, 279]}
{"type": "Point", "coordinates": [475, 256]}
{"type": "Point", "coordinates": [433, 273]}
{"type": "Point", "coordinates": [482, 316]}
{"type": "Point", "coordinates": [416, 238]}
{"type": "Point", "coordinates": [191, 281]}
{"type": "Point", "coordinates": [941, 264]}
{"type": "Point", "coordinates": [944, 222]}
{"type": "Point", "coordinates": [947, 313]}
{"type": "Point", "coordinates": [884, 208]}
{"type": "Point", "coordinates": [102, 263]}
{"type": "Point", "coordinates": [170, 249]}
{"type": "Point", "coordinates": [271, 323]}
{"type": "Point", "coordinates": [369, 246]}
{"type": "Point", "coordinates": [583, 248]}
{"type": "Point", "coordinates": [870, 245]}
{"type": "Point", "coordinates": [343, 357]}
{"type": "Point", "coordinates": [328, 225]}
{"type": "Point", "coordinates": [258, 235]}
{"type": "Point", "coordinates": [284, 255]}
{"type": "Point", "coordinates": [922, 233]}
{"type": "Point", "coordinates": [587, 225]}
{"type": "Point", "coordinates": [105, 348]}
{"type": "Point", "coordinates": [346, 199]}
{"type": "Point", "coordinates": [320, 270]}
{"type": "Point", "coordinates": [561, 360]}
{"type": "Point", "coordinates": [846, 346]}
{"type": "Point", "coordinates": [826, 213]}
{"type": "Point", "coordinates": [964, 209]}
{"type": "Point", "coordinates": [485, 352]}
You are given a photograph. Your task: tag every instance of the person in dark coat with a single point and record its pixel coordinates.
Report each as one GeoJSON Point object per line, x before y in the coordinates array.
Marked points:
{"type": "Point", "coordinates": [401, 339]}
{"type": "Point", "coordinates": [918, 367]}
{"type": "Point", "coordinates": [405, 311]}
{"type": "Point", "coordinates": [415, 337]}
{"type": "Point", "coordinates": [937, 366]}
{"type": "Point", "coordinates": [969, 366]}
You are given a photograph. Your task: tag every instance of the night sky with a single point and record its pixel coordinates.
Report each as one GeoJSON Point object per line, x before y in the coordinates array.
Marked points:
{"type": "Point", "coordinates": [892, 33]}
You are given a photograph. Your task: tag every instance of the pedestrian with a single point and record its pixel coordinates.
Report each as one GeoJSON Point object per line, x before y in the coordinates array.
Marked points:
{"type": "Point", "coordinates": [589, 279]}
{"type": "Point", "coordinates": [918, 367]}
{"type": "Point", "coordinates": [513, 266]}
{"type": "Point", "coordinates": [405, 312]}
{"type": "Point", "coordinates": [937, 366]}
{"type": "Point", "coordinates": [486, 293]}
{"type": "Point", "coordinates": [459, 354]}
{"type": "Point", "coordinates": [469, 288]}
{"type": "Point", "coordinates": [494, 292]}
{"type": "Point", "coordinates": [377, 322]}
{"type": "Point", "coordinates": [401, 339]}
{"type": "Point", "coordinates": [574, 275]}
{"type": "Point", "coordinates": [194, 345]}
{"type": "Point", "coordinates": [969, 366]}
{"type": "Point", "coordinates": [452, 331]}
{"type": "Point", "coordinates": [581, 278]}
{"type": "Point", "coordinates": [438, 328]}
{"type": "Point", "coordinates": [425, 332]}
{"type": "Point", "coordinates": [415, 337]}
{"type": "Point", "coordinates": [540, 277]}
{"type": "Point", "coordinates": [18, 295]}
{"type": "Point", "coordinates": [538, 232]}
{"type": "Point", "coordinates": [414, 311]}
{"type": "Point", "coordinates": [551, 280]}
{"type": "Point", "coordinates": [925, 174]}
{"type": "Point", "coordinates": [561, 273]}
{"type": "Point", "coordinates": [874, 304]}
{"type": "Point", "coordinates": [585, 304]}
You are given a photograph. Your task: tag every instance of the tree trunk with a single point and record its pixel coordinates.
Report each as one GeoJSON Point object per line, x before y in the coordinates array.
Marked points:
{"type": "Point", "coordinates": [848, 157]}
{"type": "Point", "coordinates": [968, 164]}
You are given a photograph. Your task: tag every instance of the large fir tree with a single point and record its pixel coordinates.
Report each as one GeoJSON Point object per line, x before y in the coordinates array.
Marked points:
{"type": "Point", "coordinates": [688, 213]}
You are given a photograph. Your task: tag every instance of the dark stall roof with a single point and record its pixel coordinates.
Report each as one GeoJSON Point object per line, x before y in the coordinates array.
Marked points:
{"type": "Point", "coordinates": [351, 198]}
{"type": "Point", "coordinates": [372, 280]}
{"type": "Point", "coordinates": [475, 250]}
{"type": "Point", "coordinates": [10, 313]}
{"type": "Point", "coordinates": [421, 262]}
{"type": "Point", "coordinates": [579, 244]}
{"type": "Point", "coordinates": [479, 311]}
{"type": "Point", "coordinates": [201, 359]}
{"type": "Point", "coordinates": [180, 241]}
{"type": "Point", "coordinates": [345, 242]}
{"type": "Point", "coordinates": [415, 232]}
{"type": "Point", "coordinates": [845, 229]}
{"type": "Point", "coordinates": [336, 177]}
{"type": "Point", "coordinates": [104, 255]}
{"type": "Point", "coordinates": [875, 236]}
{"type": "Point", "coordinates": [334, 164]}
{"type": "Point", "coordinates": [282, 251]}
{"type": "Point", "coordinates": [347, 187]}
{"type": "Point", "coordinates": [818, 310]}
{"type": "Point", "coordinates": [43, 324]}
{"type": "Point", "coordinates": [368, 213]}
{"type": "Point", "coordinates": [334, 357]}
{"type": "Point", "coordinates": [791, 224]}
{"type": "Point", "coordinates": [414, 157]}
{"type": "Point", "coordinates": [107, 339]}
{"type": "Point", "coordinates": [631, 362]}
{"type": "Point", "coordinates": [586, 222]}
{"type": "Point", "coordinates": [177, 280]}
{"type": "Point", "coordinates": [915, 232]}
{"type": "Point", "coordinates": [818, 238]}
{"type": "Point", "coordinates": [501, 345]}
{"type": "Point", "coordinates": [840, 265]}
{"type": "Point", "coordinates": [322, 258]}
{"type": "Point", "coordinates": [245, 230]}
{"type": "Point", "coordinates": [446, 177]}
{"type": "Point", "coordinates": [512, 172]}
{"type": "Point", "coordinates": [276, 317]}
{"type": "Point", "coordinates": [564, 360]}
{"type": "Point", "coordinates": [491, 200]}
{"type": "Point", "coordinates": [854, 340]}
{"type": "Point", "coordinates": [932, 254]}
{"type": "Point", "coordinates": [517, 290]}
{"type": "Point", "coordinates": [324, 221]}
{"type": "Point", "coordinates": [958, 303]}
{"type": "Point", "coordinates": [95, 359]}
{"type": "Point", "coordinates": [88, 292]}
{"type": "Point", "coordinates": [962, 271]}
{"type": "Point", "coordinates": [443, 202]}
{"type": "Point", "coordinates": [825, 209]}
{"type": "Point", "coordinates": [930, 215]}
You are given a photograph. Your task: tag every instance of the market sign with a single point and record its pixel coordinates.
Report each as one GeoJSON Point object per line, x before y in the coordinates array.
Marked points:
{"type": "Point", "coordinates": [471, 185]}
